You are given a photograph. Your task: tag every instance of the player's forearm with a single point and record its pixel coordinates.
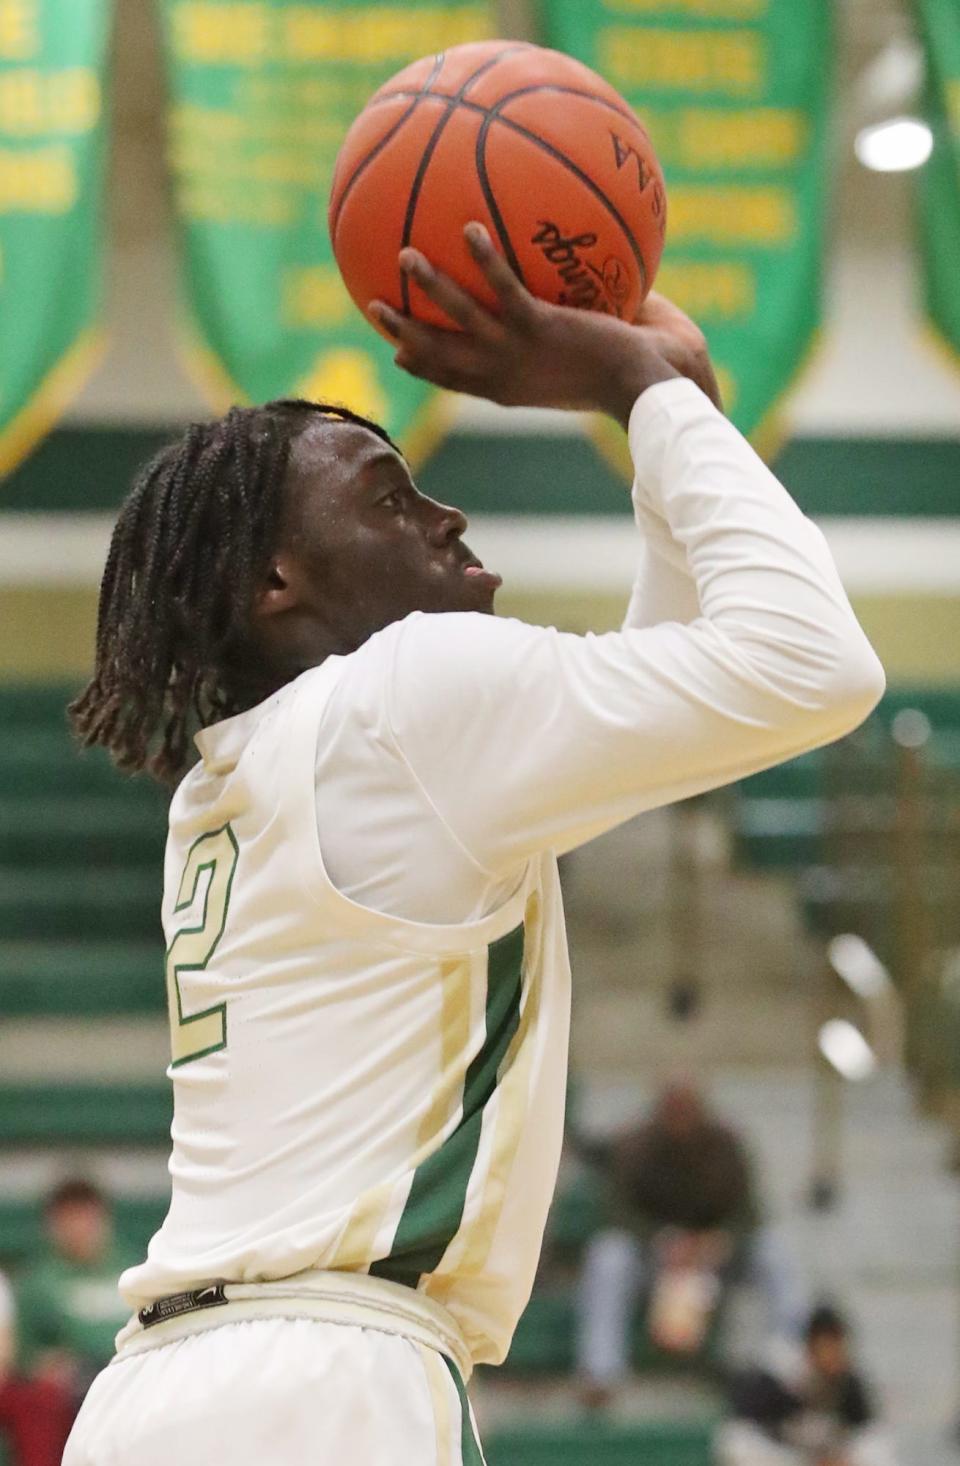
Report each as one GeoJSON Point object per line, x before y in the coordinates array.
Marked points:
{"type": "Point", "coordinates": [762, 573]}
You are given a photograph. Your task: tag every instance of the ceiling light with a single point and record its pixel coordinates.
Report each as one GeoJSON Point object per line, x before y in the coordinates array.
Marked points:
{"type": "Point", "coordinates": [845, 1047]}
{"type": "Point", "coordinates": [911, 728]}
{"type": "Point", "coordinates": [858, 966]}
{"type": "Point", "coordinates": [891, 82]}
{"type": "Point", "coordinates": [894, 146]}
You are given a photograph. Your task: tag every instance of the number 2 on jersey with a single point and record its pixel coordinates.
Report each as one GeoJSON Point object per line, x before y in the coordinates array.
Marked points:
{"type": "Point", "coordinates": [194, 1034]}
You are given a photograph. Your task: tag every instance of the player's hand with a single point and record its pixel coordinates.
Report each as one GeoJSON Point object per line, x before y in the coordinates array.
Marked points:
{"type": "Point", "coordinates": [535, 354]}
{"type": "Point", "coordinates": [681, 341]}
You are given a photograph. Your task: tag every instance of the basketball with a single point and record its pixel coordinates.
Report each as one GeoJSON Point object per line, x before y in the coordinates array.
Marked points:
{"type": "Point", "coordinates": [528, 141]}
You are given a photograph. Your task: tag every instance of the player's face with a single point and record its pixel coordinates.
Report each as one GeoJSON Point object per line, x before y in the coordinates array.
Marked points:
{"type": "Point", "coordinates": [363, 547]}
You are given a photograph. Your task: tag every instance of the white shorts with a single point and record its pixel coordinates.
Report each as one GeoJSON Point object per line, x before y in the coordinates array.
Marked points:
{"type": "Point", "coordinates": [278, 1392]}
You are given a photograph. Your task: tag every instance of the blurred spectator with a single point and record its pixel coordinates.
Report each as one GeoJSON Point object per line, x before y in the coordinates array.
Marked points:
{"type": "Point", "coordinates": [686, 1221]}
{"type": "Point", "coordinates": [806, 1407]}
{"type": "Point", "coordinates": [69, 1310]}
{"type": "Point", "coordinates": [35, 1414]}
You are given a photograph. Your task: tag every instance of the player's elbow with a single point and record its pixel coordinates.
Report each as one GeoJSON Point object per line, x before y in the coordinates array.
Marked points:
{"type": "Point", "coordinates": [865, 681]}
{"type": "Point", "coordinates": [816, 686]}
{"type": "Point", "coordinates": [847, 686]}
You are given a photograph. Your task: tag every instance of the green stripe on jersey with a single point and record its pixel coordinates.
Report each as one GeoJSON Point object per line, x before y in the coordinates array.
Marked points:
{"type": "Point", "coordinates": [438, 1193]}
{"type": "Point", "coordinates": [471, 1453]}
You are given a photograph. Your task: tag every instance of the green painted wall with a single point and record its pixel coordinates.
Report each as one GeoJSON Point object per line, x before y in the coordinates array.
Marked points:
{"type": "Point", "coordinates": [49, 632]}
{"type": "Point", "coordinates": [91, 469]}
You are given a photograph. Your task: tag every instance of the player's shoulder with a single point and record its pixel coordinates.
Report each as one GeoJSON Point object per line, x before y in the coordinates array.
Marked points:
{"type": "Point", "coordinates": [412, 667]}
{"type": "Point", "coordinates": [425, 665]}
{"type": "Point", "coordinates": [462, 639]}
{"type": "Point", "coordinates": [461, 634]}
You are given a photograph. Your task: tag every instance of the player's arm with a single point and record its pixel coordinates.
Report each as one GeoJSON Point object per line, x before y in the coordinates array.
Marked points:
{"type": "Point", "coordinates": [663, 588]}
{"type": "Point", "coordinates": [559, 737]}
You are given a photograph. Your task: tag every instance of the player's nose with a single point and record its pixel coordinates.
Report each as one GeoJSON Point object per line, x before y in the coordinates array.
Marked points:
{"type": "Point", "coordinates": [445, 522]}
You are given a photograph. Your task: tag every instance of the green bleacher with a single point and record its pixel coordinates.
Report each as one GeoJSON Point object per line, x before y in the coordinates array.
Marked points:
{"type": "Point", "coordinates": [89, 979]}
{"type": "Point", "coordinates": [81, 852]}
{"type": "Point", "coordinates": [136, 1219]}
{"type": "Point", "coordinates": [85, 1113]}
{"type": "Point", "coordinates": [601, 1442]}
{"type": "Point", "coordinates": [784, 816]}
{"type": "Point", "coordinates": [829, 820]}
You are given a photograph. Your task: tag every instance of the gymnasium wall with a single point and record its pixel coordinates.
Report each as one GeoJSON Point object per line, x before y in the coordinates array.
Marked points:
{"type": "Point", "coordinates": [869, 442]}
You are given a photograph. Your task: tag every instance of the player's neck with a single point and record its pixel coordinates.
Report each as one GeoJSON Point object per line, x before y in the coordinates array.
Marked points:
{"type": "Point", "coordinates": [251, 683]}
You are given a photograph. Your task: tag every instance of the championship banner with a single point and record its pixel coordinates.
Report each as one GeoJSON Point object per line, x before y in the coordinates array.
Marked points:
{"type": "Point", "coordinates": [262, 93]}
{"type": "Point", "coordinates": [939, 181]}
{"type": "Point", "coordinates": [52, 66]}
{"type": "Point", "coordinates": [736, 97]}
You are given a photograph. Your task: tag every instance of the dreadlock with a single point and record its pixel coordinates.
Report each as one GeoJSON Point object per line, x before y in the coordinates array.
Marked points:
{"type": "Point", "coordinates": [191, 544]}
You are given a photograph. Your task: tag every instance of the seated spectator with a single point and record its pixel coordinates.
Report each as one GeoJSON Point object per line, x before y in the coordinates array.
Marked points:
{"type": "Point", "coordinates": [686, 1221]}
{"type": "Point", "coordinates": [35, 1414]}
{"type": "Point", "coordinates": [68, 1306]}
{"type": "Point", "coordinates": [806, 1407]}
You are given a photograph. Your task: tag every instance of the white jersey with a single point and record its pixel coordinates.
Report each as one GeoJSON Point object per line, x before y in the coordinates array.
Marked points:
{"type": "Point", "coordinates": [367, 969]}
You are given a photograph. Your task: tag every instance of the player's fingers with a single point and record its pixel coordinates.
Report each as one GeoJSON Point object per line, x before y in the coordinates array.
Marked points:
{"type": "Point", "coordinates": [515, 300]}
{"type": "Point", "coordinates": [384, 316]}
{"type": "Point", "coordinates": [406, 330]}
{"type": "Point", "coordinates": [444, 292]}
{"type": "Point", "coordinates": [425, 351]}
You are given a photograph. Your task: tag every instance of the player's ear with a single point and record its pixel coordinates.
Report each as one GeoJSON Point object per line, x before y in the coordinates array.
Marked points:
{"type": "Point", "coordinates": [276, 592]}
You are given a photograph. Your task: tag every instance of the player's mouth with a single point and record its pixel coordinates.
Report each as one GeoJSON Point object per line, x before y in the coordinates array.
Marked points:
{"type": "Point", "coordinates": [474, 570]}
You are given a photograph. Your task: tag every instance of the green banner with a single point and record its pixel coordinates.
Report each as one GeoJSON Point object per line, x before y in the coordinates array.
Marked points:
{"type": "Point", "coordinates": [262, 94]}
{"type": "Point", "coordinates": [939, 181]}
{"type": "Point", "coordinates": [52, 62]}
{"type": "Point", "coordinates": [736, 96]}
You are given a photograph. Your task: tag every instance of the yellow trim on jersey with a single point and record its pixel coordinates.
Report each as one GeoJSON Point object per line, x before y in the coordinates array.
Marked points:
{"type": "Point", "coordinates": [357, 1239]}
{"type": "Point", "coordinates": [438, 1382]}
{"type": "Point", "coordinates": [513, 1091]}
{"type": "Point", "coordinates": [454, 1040]}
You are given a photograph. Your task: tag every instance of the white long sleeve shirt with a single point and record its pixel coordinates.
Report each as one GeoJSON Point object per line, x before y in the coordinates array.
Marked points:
{"type": "Point", "coordinates": [367, 972]}
{"type": "Point", "coordinates": [739, 649]}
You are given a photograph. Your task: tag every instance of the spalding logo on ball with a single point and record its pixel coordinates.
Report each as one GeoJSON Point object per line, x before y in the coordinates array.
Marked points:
{"type": "Point", "coordinates": [528, 141]}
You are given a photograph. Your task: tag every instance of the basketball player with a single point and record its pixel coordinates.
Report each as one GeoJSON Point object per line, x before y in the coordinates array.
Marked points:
{"type": "Point", "coordinates": [366, 968]}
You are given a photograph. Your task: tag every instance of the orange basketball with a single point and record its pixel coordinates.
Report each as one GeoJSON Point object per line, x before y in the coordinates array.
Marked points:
{"type": "Point", "coordinates": [530, 142]}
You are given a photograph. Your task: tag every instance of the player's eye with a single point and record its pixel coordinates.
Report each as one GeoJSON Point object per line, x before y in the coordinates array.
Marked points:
{"type": "Point", "coordinates": [393, 500]}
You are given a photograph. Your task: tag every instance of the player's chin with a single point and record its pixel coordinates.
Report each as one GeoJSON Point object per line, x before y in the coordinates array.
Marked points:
{"type": "Point", "coordinates": [477, 592]}
{"type": "Point", "coordinates": [461, 592]}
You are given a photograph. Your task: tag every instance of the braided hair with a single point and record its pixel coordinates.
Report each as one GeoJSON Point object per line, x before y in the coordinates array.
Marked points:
{"type": "Point", "coordinates": [189, 549]}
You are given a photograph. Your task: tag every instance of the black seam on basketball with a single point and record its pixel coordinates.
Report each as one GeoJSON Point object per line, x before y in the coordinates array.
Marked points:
{"type": "Point", "coordinates": [584, 178]}
{"type": "Point", "coordinates": [439, 59]}
{"type": "Point", "coordinates": [480, 158]}
{"type": "Point", "coordinates": [424, 91]}
{"type": "Point", "coordinates": [471, 106]}
{"type": "Point", "coordinates": [452, 103]}
{"type": "Point", "coordinates": [492, 114]}
{"type": "Point", "coordinates": [387, 137]}
{"type": "Point", "coordinates": [549, 86]}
